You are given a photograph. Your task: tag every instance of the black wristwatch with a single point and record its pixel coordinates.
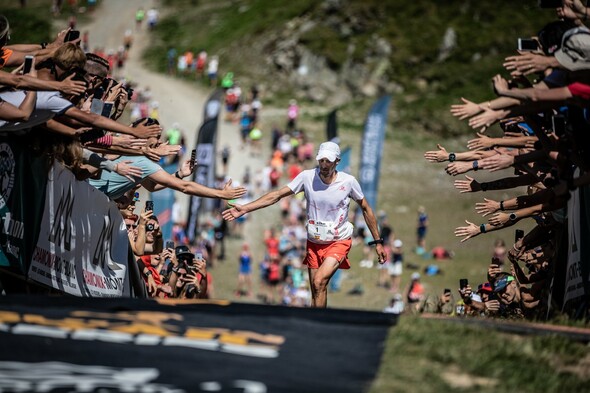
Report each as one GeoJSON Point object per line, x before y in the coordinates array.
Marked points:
{"type": "Point", "coordinates": [148, 273]}
{"type": "Point", "coordinates": [483, 186]}
{"type": "Point", "coordinates": [512, 217]}
{"type": "Point", "coordinates": [376, 241]}
{"type": "Point", "coordinates": [452, 157]}
{"type": "Point", "coordinates": [475, 165]}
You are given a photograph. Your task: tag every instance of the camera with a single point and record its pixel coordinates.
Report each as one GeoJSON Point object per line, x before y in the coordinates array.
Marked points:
{"type": "Point", "coordinates": [150, 227]}
{"type": "Point", "coordinates": [129, 91]}
{"type": "Point", "coordinates": [92, 135]}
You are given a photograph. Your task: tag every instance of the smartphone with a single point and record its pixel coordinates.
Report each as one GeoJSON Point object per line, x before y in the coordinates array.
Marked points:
{"type": "Point", "coordinates": [527, 44]}
{"type": "Point", "coordinates": [98, 93]}
{"type": "Point", "coordinates": [96, 106]}
{"type": "Point", "coordinates": [107, 108]}
{"type": "Point", "coordinates": [199, 256]}
{"type": "Point", "coordinates": [550, 3]}
{"type": "Point", "coordinates": [463, 283]}
{"type": "Point", "coordinates": [72, 35]}
{"type": "Point", "coordinates": [193, 157]}
{"type": "Point", "coordinates": [170, 245]}
{"type": "Point", "coordinates": [149, 205]}
{"type": "Point", "coordinates": [518, 234]}
{"type": "Point", "coordinates": [28, 64]}
{"type": "Point", "coordinates": [558, 122]}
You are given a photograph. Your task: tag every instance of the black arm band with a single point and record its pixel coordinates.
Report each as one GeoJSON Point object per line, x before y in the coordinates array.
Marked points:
{"type": "Point", "coordinates": [376, 241]}
{"type": "Point", "coordinates": [177, 175]}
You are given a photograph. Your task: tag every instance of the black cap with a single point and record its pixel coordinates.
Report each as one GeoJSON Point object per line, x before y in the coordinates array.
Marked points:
{"type": "Point", "coordinates": [183, 250]}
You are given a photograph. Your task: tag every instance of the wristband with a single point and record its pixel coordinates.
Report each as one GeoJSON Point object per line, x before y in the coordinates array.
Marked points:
{"type": "Point", "coordinates": [177, 175]}
{"type": "Point", "coordinates": [148, 273]}
{"type": "Point", "coordinates": [502, 205]}
{"type": "Point", "coordinates": [475, 165]}
{"type": "Point", "coordinates": [482, 228]}
{"type": "Point", "coordinates": [452, 157]}
{"type": "Point", "coordinates": [376, 241]}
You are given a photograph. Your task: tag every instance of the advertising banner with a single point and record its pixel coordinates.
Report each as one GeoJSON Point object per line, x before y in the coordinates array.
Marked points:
{"type": "Point", "coordinates": [82, 247]}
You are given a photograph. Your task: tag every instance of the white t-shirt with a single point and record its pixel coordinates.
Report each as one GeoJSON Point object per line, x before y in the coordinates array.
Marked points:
{"type": "Point", "coordinates": [328, 203]}
{"type": "Point", "coordinates": [48, 105]}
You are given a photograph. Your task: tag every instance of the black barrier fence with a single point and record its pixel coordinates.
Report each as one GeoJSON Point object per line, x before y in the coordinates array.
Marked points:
{"type": "Point", "coordinates": [50, 344]}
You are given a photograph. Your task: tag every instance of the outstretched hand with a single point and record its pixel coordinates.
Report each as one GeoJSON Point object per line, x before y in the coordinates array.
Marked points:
{"type": "Point", "coordinates": [232, 193]}
{"type": "Point", "coordinates": [465, 110]}
{"type": "Point", "coordinates": [234, 212]}
{"type": "Point", "coordinates": [439, 155]}
{"type": "Point", "coordinates": [469, 231]}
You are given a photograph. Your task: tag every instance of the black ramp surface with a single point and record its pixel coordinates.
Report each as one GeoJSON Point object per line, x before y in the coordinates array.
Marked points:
{"type": "Point", "coordinates": [49, 344]}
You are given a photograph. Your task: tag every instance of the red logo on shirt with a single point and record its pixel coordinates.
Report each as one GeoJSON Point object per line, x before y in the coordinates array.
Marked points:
{"type": "Point", "coordinates": [342, 188]}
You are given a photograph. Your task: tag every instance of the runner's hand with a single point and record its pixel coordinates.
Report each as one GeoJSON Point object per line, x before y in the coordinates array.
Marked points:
{"type": "Point", "coordinates": [382, 256]}
{"type": "Point", "coordinates": [235, 211]}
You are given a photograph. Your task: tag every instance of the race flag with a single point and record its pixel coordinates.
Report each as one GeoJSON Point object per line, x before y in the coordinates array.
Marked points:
{"type": "Point", "coordinates": [372, 149]}
{"type": "Point", "coordinates": [332, 127]}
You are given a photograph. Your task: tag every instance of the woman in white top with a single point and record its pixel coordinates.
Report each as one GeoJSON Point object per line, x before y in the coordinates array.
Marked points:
{"type": "Point", "coordinates": [329, 232]}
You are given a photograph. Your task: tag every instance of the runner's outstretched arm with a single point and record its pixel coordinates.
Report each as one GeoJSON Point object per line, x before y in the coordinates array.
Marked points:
{"type": "Point", "coordinates": [267, 199]}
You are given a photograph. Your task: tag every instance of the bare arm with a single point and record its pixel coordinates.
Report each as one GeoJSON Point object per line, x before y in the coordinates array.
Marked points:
{"type": "Point", "coordinates": [12, 113]}
{"type": "Point", "coordinates": [141, 131]}
{"type": "Point", "coordinates": [371, 222]}
{"type": "Point", "coordinates": [191, 188]}
{"type": "Point", "coordinates": [264, 201]}
{"type": "Point", "coordinates": [26, 82]}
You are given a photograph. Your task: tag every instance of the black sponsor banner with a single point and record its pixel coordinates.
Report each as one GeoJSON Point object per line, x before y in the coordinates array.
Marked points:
{"type": "Point", "coordinates": [205, 168]}
{"type": "Point", "coordinates": [141, 345]}
{"type": "Point", "coordinates": [332, 126]}
{"type": "Point", "coordinates": [23, 179]}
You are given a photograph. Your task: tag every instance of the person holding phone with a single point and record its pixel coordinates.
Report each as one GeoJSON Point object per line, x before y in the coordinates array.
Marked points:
{"type": "Point", "coordinates": [14, 56]}
{"type": "Point", "coordinates": [329, 233]}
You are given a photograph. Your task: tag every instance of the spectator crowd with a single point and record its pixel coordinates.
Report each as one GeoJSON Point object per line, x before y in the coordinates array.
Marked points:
{"type": "Point", "coordinates": [536, 125]}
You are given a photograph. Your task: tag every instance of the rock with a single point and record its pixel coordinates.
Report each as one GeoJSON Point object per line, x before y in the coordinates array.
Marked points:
{"type": "Point", "coordinates": [448, 44]}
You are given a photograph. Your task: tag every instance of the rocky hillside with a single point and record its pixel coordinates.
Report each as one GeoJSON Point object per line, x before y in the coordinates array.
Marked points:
{"type": "Point", "coordinates": [346, 52]}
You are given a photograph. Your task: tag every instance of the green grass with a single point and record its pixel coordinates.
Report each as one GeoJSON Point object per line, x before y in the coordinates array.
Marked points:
{"type": "Point", "coordinates": [461, 358]}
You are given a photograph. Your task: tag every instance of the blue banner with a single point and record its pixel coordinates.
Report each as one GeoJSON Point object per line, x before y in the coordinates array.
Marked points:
{"type": "Point", "coordinates": [344, 164]}
{"type": "Point", "coordinates": [372, 149]}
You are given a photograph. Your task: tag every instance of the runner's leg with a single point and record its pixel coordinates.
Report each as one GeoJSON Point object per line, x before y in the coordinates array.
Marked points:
{"type": "Point", "coordinates": [319, 279]}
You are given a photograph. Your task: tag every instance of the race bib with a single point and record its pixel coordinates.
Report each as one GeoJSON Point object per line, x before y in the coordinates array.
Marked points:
{"type": "Point", "coordinates": [327, 231]}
